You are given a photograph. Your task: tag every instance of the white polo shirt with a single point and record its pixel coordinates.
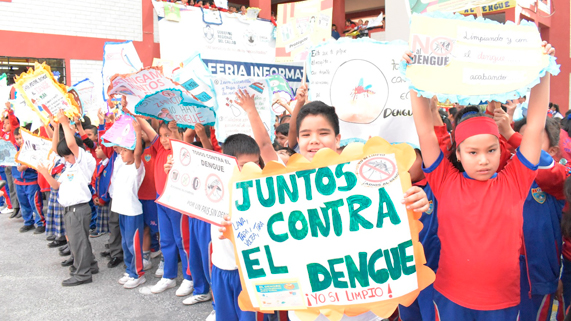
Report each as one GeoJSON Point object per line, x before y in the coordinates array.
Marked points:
{"type": "Point", "coordinates": [75, 180]}
{"type": "Point", "coordinates": [223, 256]}
{"type": "Point", "coordinates": [117, 163]}
{"type": "Point", "coordinates": [127, 182]}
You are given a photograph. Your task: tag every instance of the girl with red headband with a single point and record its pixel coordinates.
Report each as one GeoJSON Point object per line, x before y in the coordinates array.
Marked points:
{"type": "Point", "coordinates": [480, 211]}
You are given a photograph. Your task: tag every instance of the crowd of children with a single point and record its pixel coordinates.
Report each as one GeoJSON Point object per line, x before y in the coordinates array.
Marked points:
{"type": "Point", "coordinates": [491, 193]}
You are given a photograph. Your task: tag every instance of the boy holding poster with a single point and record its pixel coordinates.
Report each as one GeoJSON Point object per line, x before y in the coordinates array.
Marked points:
{"type": "Point", "coordinates": [480, 212]}
{"type": "Point", "coordinates": [74, 194]}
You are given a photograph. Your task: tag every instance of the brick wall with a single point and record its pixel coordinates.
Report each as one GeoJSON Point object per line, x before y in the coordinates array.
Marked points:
{"type": "Point", "coordinates": [81, 69]}
{"type": "Point", "coordinates": [121, 20]}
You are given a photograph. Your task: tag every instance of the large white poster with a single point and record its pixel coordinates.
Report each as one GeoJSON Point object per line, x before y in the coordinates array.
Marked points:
{"type": "Point", "coordinates": [361, 79]}
{"type": "Point", "coordinates": [237, 47]}
{"type": "Point", "coordinates": [231, 118]}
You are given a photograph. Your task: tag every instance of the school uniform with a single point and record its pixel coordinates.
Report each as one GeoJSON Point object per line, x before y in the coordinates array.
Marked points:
{"type": "Point", "coordinates": [74, 194]}
{"type": "Point", "coordinates": [541, 262]}
{"type": "Point", "coordinates": [566, 273]}
{"type": "Point", "coordinates": [148, 196]}
{"type": "Point", "coordinates": [54, 216]}
{"type": "Point", "coordinates": [173, 226]}
{"type": "Point", "coordinates": [130, 211]}
{"type": "Point", "coordinates": [199, 254]}
{"type": "Point", "coordinates": [29, 196]}
{"type": "Point", "coordinates": [115, 242]}
{"type": "Point", "coordinates": [5, 200]}
{"type": "Point", "coordinates": [423, 307]}
{"type": "Point", "coordinates": [226, 286]}
{"type": "Point", "coordinates": [103, 180]}
{"type": "Point", "coordinates": [478, 278]}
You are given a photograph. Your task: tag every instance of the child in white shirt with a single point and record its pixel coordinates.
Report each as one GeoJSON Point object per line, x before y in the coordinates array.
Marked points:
{"type": "Point", "coordinates": [126, 204]}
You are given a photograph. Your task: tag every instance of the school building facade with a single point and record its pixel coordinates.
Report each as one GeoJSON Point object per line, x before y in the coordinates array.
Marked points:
{"type": "Point", "coordinates": [70, 36]}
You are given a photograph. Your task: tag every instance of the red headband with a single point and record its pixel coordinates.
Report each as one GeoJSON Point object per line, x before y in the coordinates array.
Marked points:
{"type": "Point", "coordinates": [475, 126]}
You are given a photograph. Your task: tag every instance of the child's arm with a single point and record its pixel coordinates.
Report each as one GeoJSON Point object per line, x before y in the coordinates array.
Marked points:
{"type": "Point", "coordinates": [49, 178]}
{"type": "Point", "coordinates": [55, 135]}
{"type": "Point", "coordinates": [300, 97]}
{"type": "Point", "coordinates": [261, 136]}
{"type": "Point", "coordinates": [69, 135]}
{"type": "Point", "coordinates": [146, 127]}
{"type": "Point", "coordinates": [173, 127]}
{"type": "Point", "coordinates": [138, 146]}
{"type": "Point", "coordinates": [536, 113]}
{"type": "Point", "coordinates": [201, 133]}
{"type": "Point", "coordinates": [188, 135]}
{"type": "Point", "coordinates": [86, 140]}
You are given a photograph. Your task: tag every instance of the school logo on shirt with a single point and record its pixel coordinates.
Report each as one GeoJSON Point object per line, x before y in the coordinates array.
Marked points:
{"type": "Point", "coordinates": [430, 208]}
{"type": "Point", "coordinates": [538, 195]}
{"type": "Point", "coordinates": [70, 177]}
{"type": "Point", "coordinates": [147, 158]}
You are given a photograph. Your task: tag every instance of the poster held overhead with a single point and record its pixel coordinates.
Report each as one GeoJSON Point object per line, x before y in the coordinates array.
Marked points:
{"type": "Point", "coordinates": [121, 134]}
{"type": "Point", "coordinates": [474, 60]}
{"type": "Point", "coordinates": [361, 79]}
{"type": "Point", "coordinates": [7, 153]}
{"type": "Point", "coordinates": [302, 244]}
{"type": "Point", "coordinates": [34, 149]}
{"type": "Point", "coordinates": [118, 58]}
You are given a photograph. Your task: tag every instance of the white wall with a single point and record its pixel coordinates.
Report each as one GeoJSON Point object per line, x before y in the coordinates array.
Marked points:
{"type": "Point", "coordinates": [81, 69]}
{"type": "Point", "coordinates": [397, 19]}
{"type": "Point", "coordinates": [121, 19]}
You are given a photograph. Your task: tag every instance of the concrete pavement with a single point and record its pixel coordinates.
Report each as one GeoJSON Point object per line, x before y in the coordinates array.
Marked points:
{"type": "Point", "coordinates": [30, 285]}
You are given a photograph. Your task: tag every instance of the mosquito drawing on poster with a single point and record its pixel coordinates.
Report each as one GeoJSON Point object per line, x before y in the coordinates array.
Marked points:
{"type": "Point", "coordinates": [361, 91]}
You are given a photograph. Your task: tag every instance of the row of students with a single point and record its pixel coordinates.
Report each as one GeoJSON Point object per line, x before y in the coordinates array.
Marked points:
{"type": "Point", "coordinates": [481, 244]}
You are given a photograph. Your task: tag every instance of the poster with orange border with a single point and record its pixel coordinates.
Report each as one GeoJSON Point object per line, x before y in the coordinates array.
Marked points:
{"type": "Point", "coordinates": [328, 236]}
{"type": "Point", "coordinates": [302, 25]}
{"type": "Point", "coordinates": [34, 150]}
{"type": "Point", "coordinates": [44, 95]}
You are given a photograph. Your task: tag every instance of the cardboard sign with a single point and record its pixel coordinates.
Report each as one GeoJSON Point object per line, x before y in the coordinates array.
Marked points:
{"type": "Point", "coordinates": [197, 184]}
{"type": "Point", "coordinates": [139, 84]}
{"type": "Point", "coordinates": [176, 104]}
{"type": "Point", "coordinates": [34, 149]}
{"type": "Point", "coordinates": [317, 236]}
{"type": "Point", "coordinates": [302, 25]}
{"type": "Point", "coordinates": [475, 61]}
{"type": "Point", "coordinates": [44, 95]}
{"type": "Point", "coordinates": [121, 134]}
{"type": "Point", "coordinates": [168, 66]}
{"type": "Point", "coordinates": [422, 6]}
{"type": "Point", "coordinates": [118, 58]}
{"type": "Point", "coordinates": [280, 84]}
{"type": "Point", "coordinates": [212, 17]}
{"type": "Point", "coordinates": [252, 13]}
{"type": "Point", "coordinates": [85, 90]}
{"type": "Point", "coordinates": [231, 118]}
{"type": "Point", "coordinates": [361, 79]}
{"type": "Point", "coordinates": [221, 4]}
{"type": "Point", "coordinates": [7, 153]}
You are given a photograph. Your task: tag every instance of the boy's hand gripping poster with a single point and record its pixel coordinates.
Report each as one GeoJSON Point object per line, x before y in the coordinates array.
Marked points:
{"type": "Point", "coordinates": [328, 236]}
{"type": "Point", "coordinates": [34, 150]}
{"type": "Point", "coordinates": [361, 78]}
{"type": "Point", "coordinates": [197, 184]}
{"type": "Point", "coordinates": [474, 60]}
{"type": "Point", "coordinates": [44, 95]}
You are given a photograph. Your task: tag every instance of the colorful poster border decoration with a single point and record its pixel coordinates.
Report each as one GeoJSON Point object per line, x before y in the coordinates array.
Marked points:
{"type": "Point", "coordinates": [454, 58]}
{"type": "Point", "coordinates": [277, 282]}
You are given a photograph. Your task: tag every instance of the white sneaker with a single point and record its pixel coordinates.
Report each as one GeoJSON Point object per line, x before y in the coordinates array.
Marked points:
{"type": "Point", "coordinates": [155, 254]}
{"type": "Point", "coordinates": [160, 270]}
{"type": "Point", "coordinates": [133, 283]}
{"type": "Point", "coordinates": [185, 288]}
{"type": "Point", "coordinates": [211, 316]}
{"type": "Point", "coordinates": [162, 285]}
{"type": "Point", "coordinates": [7, 211]}
{"type": "Point", "coordinates": [147, 265]}
{"type": "Point", "coordinates": [197, 298]}
{"type": "Point", "coordinates": [124, 279]}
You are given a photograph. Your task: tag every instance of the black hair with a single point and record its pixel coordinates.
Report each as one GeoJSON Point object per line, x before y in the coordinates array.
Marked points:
{"type": "Point", "coordinates": [566, 219]}
{"type": "Point", "coordinates": [319, 108]}
{"type": "Point", "coordinates": [241, 144]}
{"type": "Point", "coordinates": [28, 127]}
{"type": "Point", "coordinates": [17, 131]}
{"type": "Point", "coordinates": [463, 115]}
{"type": "Point", "coordinates": [552, 128]}
{"type": "Point", "coordinates": [552, 105]}
{"type": "Point", "coordinates": [453, 111]}
{"type": "Point", "coordinates": [92, 128]}
{"type": "Point", "coordinates": [283, 129]}
{"type": "Point", "coordinates": [164, 124]}
{"type": "Point", "coordinates": [284, 117]}
{"type": "Point", "coordinates": [63, 149]}
{"type": "Point", "coordinates": [445, 120]}
{"type": "Point", "coordinates": [288, 150]}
